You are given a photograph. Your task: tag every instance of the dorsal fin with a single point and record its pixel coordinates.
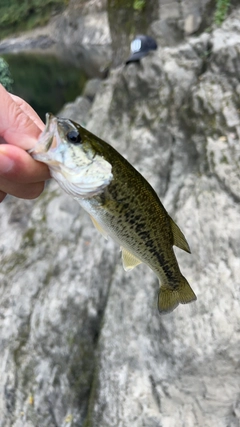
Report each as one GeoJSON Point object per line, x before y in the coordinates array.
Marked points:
{"type": "Point", "coordinates": [179, 239]}
{"type": "Point", "coordinates": [99, 228]}
{"type": "Point", "coordinates": [129, 260]}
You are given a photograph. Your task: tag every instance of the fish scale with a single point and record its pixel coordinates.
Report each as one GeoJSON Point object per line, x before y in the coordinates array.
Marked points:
{"type": "Point", "coordinates": [121, 203]}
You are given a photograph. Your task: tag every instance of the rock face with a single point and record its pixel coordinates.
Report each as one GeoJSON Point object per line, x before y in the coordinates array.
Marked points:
{"type": "Point", "coordinates": [169, 21]}
{"type": "Point", "coordinates": [81, 341]}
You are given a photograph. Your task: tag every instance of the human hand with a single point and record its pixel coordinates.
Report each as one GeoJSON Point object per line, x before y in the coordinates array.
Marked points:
{"type": "Point", "coordinates": [20, 127]}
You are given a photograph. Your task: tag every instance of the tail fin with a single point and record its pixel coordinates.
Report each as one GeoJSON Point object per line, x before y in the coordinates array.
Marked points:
{"type": "Point", "coordinates": [168, 298]}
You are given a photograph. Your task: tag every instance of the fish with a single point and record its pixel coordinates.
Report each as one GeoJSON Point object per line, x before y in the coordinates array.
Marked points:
{"type": "Point", "coordinates": [120, 202]}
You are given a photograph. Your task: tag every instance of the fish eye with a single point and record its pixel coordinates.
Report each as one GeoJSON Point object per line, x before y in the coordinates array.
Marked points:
{"type": "Point", "coordinates": [74, 137]}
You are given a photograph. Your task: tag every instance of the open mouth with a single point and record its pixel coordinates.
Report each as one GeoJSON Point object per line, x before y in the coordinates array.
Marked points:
{"type": "Point", "coordinates": [48, 138]}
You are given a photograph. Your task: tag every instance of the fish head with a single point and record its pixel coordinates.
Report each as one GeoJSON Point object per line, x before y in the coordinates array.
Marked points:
{"type": "Point", "coordinates": [66, 148]}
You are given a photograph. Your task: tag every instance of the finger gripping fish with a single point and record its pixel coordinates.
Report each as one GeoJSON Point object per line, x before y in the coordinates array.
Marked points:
{"type": "Point", "coordinates": [121, 203]}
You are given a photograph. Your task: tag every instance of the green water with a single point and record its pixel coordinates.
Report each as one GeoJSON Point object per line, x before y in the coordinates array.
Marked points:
{"type": "Point", "coordinates": [45, 82]}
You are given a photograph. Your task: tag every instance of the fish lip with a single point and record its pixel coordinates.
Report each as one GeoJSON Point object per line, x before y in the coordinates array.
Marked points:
{"type": "Point", "coordinates": [48, 137]}
{"type": "Point", "coordinates": [50, 130]}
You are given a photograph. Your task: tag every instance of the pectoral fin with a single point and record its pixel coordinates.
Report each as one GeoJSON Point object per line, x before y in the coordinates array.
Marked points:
{"type": "Point", "coordinates": [129, 260]}
{"type": "Point", "coordinates": [179, 239]}
{"type": "Point", "coordinates": [99, 228]}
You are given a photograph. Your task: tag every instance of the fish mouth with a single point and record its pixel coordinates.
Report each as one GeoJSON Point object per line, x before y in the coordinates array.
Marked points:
{"type": "Point", "coordinates": [48, 140]}
{"type": "Point", "coordinates": [49, 131]}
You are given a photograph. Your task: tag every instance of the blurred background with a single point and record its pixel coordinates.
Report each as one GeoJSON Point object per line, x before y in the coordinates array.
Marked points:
{"type": "Point", "coordinates": [81, 341]}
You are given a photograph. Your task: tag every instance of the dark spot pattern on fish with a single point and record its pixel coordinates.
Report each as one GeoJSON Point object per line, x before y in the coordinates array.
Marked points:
{"type": "Point", "coordinates": [126, 207]}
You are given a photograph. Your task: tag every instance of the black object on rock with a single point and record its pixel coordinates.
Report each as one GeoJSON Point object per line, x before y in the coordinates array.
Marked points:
{"type": "Point", "coordinates": [140, 47]}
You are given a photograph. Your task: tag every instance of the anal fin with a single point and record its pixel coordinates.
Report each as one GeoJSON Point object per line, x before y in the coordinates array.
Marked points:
{"type": "Point", "coordinates": [99, 228]}
{"type": "Point", "coordinates": [129, 260]}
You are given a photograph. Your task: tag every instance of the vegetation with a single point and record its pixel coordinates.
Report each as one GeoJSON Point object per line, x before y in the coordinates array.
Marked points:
{"type": "Point", "coordinates": [139, 5]}
{"type": "Point", "coordinates": [222, 7]}
{"type": "Point", "coordinates": [18, 15]}
{"type": "Point", "coordinates": [5, 76]}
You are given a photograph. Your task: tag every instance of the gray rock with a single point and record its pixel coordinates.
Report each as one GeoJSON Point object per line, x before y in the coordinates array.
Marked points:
{"type": "Point", "coordinates": [169, 9]}
{"type": "Point", "coordinates": [91, 89]}
{"type": "Point", "coordinates": [192, 23]}
{"type": "Point", "coordinates": [225, 47]}
{"type": "Point", "coordinates": [77, 110]}
{"type": "Point", "coordinates": [166, 32]}
{"type": "Point", "coordinates": [81, 341]}
{"type": "Point", "coordinates": [177, 19]}
{"type": "Point", "coordinates": [85, 39]}
{"type": "Point", "coordinates": [43, 370]}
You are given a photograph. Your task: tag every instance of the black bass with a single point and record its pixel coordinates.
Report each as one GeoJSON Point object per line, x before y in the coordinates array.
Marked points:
{"type": "Point", "coordinates": [119, 200]}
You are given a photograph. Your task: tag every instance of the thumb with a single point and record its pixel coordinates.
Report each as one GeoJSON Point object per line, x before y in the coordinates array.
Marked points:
{"type": "Point", "coordinates": [16, 127]}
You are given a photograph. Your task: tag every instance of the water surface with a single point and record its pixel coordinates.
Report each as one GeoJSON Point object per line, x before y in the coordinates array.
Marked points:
{"type": "Point", "coordinates": [45, 82]}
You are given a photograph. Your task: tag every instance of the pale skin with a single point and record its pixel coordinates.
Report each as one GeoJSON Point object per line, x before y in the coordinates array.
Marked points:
{"type": "Point", "coordinates": [20, 127]}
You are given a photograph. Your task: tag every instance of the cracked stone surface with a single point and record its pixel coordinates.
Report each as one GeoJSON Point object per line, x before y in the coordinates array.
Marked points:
{"type": "Point", "coordinates": [81, 341]}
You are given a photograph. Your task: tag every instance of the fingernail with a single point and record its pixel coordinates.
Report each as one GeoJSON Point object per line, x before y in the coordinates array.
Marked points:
{"type": "Point", "coordinates": [6, 164]}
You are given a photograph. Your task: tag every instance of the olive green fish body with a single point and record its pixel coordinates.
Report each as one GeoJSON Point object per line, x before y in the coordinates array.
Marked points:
{"type": "Point", "coordinates": [126, 208]}
{"type": "Point", "coordinates": [131, 213]}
